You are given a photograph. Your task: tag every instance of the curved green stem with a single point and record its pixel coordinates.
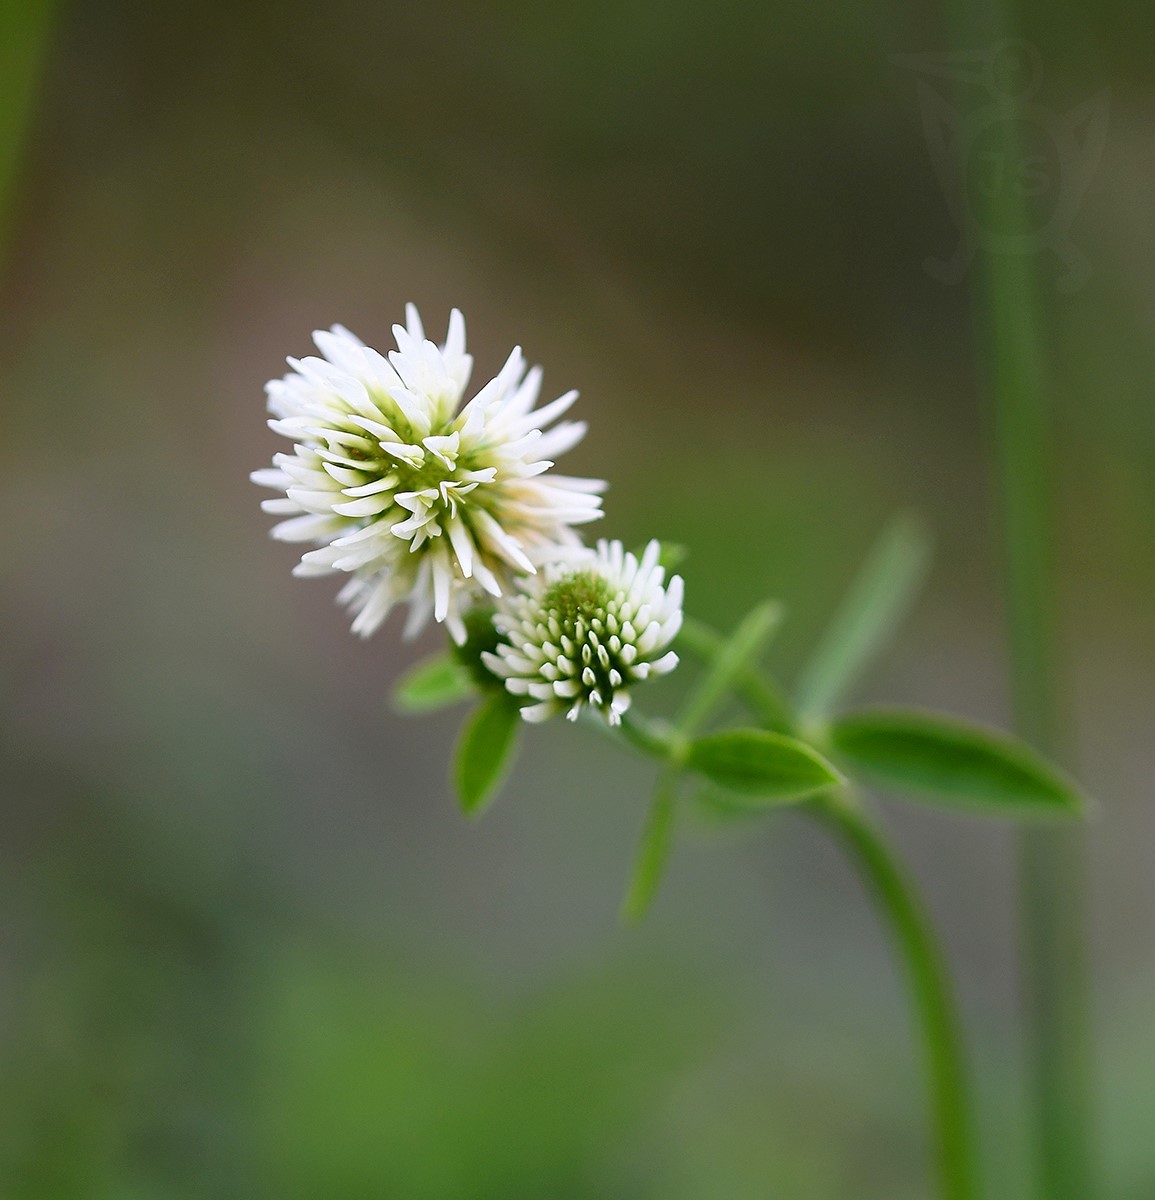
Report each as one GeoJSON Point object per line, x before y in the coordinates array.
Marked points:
{"type": "Point", "coordinates": [930, 991]}
{"type": "Point", "coordinates": [898, 901]}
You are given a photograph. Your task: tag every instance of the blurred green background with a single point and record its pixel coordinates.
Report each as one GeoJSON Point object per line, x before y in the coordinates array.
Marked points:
{"type": "Point", "coordinates": [247, 946]}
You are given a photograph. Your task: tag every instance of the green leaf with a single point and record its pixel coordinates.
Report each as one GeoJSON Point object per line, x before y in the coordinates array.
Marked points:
{"type": "Point", "coordinates": [734, 656]}
{"type": "Point", "coordinates": [485, 751]}
{"type": "Point", "coordinates": [435, 682]}
{"type": "Point", "coordinates": [955, 761]}
{"type": "Point", "coordinates": [653, 850]}
{"type": "Point", "coordinates": [755, 762]}
{"type": "Point", "coordinates": [872, 610]}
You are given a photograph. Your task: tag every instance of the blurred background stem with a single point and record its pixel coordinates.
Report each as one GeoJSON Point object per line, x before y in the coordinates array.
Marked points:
{"type": "Point", "coordinates": [24, 29]}
{"type": "Point", "coordinates": [1050, 860]}
{"type": "Point", "coordinates": [1009, 327]}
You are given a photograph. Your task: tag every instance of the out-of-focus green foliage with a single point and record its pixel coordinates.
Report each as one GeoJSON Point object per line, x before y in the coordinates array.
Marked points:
{"type": "Point", "coordinates": [24, 30]}
{"type": "Point", "coordinates": [378, 1082]}
{"type": "Point", "coordinates": [439, 681]}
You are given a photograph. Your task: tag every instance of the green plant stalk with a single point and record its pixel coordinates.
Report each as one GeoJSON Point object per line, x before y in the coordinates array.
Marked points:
{"type": "Point", "coordinates": [914, 939]}
{"type": "Point", "coordinates": [1050, 861]}
{"type": "Point", "coordinates": [928, 982]}
{"type": "Point", "coordinates": [655, 738]}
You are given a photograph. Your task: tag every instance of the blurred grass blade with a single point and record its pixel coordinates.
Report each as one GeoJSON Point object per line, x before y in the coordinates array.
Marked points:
{"type": "Point", "coordinates": [485, 751]}
{"type": "Point", "coordinates": [756, 690]}
{"type": "Point", "coordinates": [954, 761]}
{"type": "Point", "coordinates": [435, 682]}
{"type": "Point", "coordinates": [754, 762]}
{"type": "Point", "coordinates": [735, 655]}
{"type": "Point", "coordinates": [653, 850]}
{"type": "Point", "coordinates": [24, 30]}
{"type": "Point", "coordinates": [875, 605]}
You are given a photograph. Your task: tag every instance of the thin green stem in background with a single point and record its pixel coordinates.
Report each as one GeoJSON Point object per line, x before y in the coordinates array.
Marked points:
{"type": "Point", "coordinates": [931, 998]}
{"type": "Point", "coordinates": [1010, 329]}
{"type": "Point", "coordinates": [1050, 860]}
{"type": "Point", "coordinates": [24, 29]}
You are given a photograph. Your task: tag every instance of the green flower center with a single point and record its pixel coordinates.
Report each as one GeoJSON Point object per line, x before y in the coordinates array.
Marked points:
{"type": "Point", "coordinates": [582, 596]}
{"type": "Point", "coordinates": [586, 609]}
{"type": "Point", "coordinates": [430, 474]}
{"type": "Point", "coordinates": [439, 464]}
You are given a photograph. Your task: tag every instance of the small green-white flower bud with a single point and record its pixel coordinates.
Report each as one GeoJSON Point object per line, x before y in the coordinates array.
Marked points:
{"type": "Point", "coordinates": [584, 630]}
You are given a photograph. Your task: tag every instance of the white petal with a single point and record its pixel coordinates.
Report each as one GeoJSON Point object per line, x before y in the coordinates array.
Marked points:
{"type": "Point", "coordinates": [462, 544]}
{"type": "Point", "coordinates": [305, 529]}
{"type": "Point", "coordinates": [270, 478]}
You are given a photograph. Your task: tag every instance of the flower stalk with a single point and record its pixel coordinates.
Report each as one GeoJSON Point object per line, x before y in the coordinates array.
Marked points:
{"type": "Point", "coordinates": [927, 978]}
{"type": "Point", "coordinates": [911, 931]}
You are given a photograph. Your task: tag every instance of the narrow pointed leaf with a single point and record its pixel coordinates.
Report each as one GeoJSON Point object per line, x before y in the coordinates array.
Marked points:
{"type": "Point", "coordinates": [653, 850]}
{"type": "Point", "coordinates": [757, 692]}
{"type": "Point", "coordinates": [433, 683]}
{"type": "Point", "coordinates": [954, 761]}
{"type": "Point", "coordinates": [875, 605]}
{"type": "Point", "coordinates": [769, 767]}
{"type": "Point", "coordinates": [735, 655]}
{"type": "Point", "coordinates": [485, 751]}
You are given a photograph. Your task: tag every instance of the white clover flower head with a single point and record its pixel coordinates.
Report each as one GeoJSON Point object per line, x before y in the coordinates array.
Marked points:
{"type": "Point", "coordinates": [585, 630]}
{"type": "Point", "coordinates": [418, 497]}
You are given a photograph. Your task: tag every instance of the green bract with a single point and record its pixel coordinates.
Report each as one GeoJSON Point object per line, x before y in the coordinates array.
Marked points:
{"type": "Point", "coordinates": [485, 751]}
{"type": "Point", "coordinates": [435, 682]}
